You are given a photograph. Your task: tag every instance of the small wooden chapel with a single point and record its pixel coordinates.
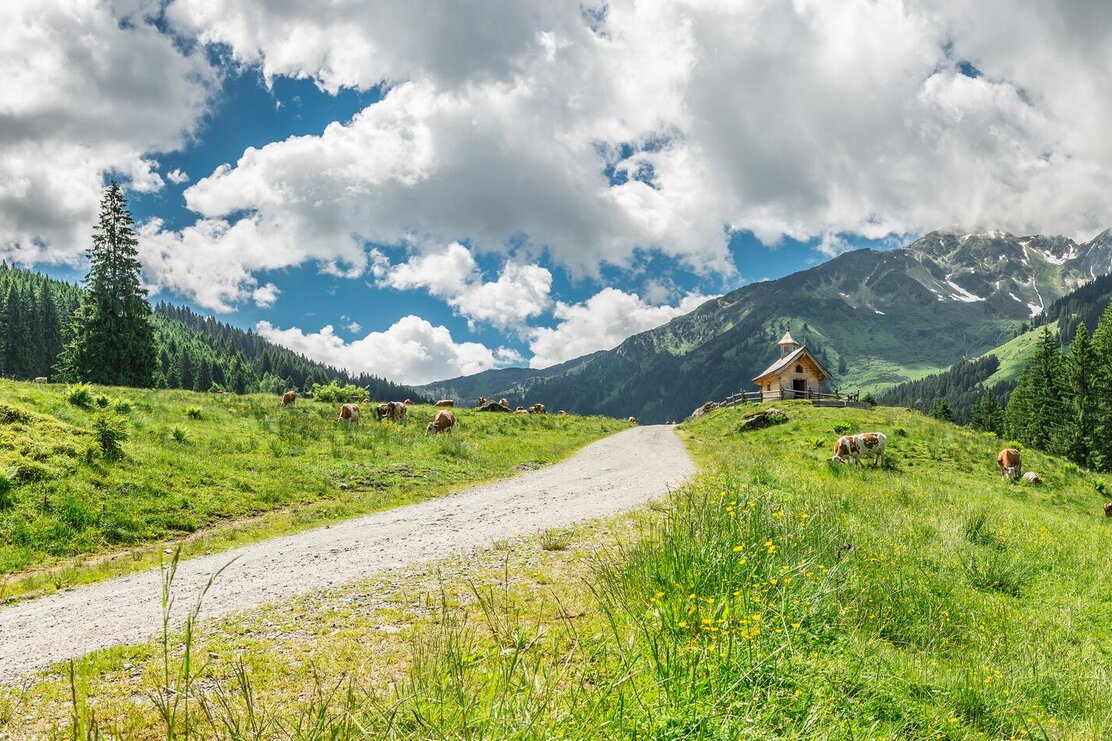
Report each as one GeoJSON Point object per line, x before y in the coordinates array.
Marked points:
{"type": "Point", "coordinates": [796, 375]}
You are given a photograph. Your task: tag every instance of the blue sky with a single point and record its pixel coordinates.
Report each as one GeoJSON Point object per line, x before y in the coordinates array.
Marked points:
{"type": "Point", "coordinates": [248, 113]}
{"type": "Point", "coordinates": [411, 190]}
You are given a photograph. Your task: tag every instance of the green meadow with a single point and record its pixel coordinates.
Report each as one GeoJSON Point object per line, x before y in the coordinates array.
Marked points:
{"type": "Point", "coordinates": [98, 481]}
{"type": "Point", "coordinates": [776, 596]}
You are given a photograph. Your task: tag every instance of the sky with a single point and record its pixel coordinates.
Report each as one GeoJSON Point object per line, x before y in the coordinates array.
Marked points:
{"type": "Point", "coordinates": [427, 189]}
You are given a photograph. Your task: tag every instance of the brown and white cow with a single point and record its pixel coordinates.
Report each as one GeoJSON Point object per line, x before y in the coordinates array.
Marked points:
{"type": "Point", "coordinates": [854, 446]}
{"type": "Point", "coordinates": [385, 410]}
{"type": "Point", "coordinates": [289, 398]}
{"type": "Point", "coordinates": [1010, 464]}
{"type": "Point", "coordinates": [538, 408]}
{"type": "Point", "coordinates": [632, 420]}
{"type": "Point", "coordinates": [442, 422]}
{"type": "Point", "coordinates": [348, 413]}
{"type": "Point", "coordinates": [445, 403]}
{"type": "Point", "coordinates": [399, 414]}
{"type": "Point", "coordinates": [504, 403]}
{"type": "Point", "coordinates": [39, 379]}
{"type": "Point", "coordinates": [409, 402]}
{"type": "Point", "coordinates": [483, 401]}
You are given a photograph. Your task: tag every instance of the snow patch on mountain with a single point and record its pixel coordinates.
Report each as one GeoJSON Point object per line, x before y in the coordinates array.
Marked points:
{"type": "Point", "coordinates": [962, 294]}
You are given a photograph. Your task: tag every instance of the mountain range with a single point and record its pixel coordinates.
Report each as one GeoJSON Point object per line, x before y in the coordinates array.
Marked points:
{"type": "Point", "coordinates": [876, 318]}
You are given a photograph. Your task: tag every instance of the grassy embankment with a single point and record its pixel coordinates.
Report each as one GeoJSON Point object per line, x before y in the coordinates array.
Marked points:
{"type": "Point", "coordinates": [217, 471]}
{"type": "Point", "coordinates": [777, 596]}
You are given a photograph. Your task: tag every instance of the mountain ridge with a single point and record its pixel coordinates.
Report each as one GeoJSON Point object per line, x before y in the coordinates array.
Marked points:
{"type": "Point", "coordinates": [886, 317]}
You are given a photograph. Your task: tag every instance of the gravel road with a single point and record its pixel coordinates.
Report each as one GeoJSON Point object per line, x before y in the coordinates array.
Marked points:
{"type": "Point", "coordinates": [612, 475]}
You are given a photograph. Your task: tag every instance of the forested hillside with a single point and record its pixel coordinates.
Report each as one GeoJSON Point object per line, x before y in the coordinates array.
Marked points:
{"type": "Point", "coordinates": [960, 385]}
{"type": "Point", "coordinates": [194, 351]}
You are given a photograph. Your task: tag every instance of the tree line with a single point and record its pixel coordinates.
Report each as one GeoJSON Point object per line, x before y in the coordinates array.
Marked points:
{"type": "Point", "coordinates": [1062, 402]}
{"type": "Point", "coordinates": [106, 332]}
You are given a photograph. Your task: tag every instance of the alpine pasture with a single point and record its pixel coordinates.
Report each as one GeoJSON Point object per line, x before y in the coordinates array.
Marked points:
{"type": "Point", "coordinates": [97, 481]}
{"type": "Point", "coordinates": [778, 595]}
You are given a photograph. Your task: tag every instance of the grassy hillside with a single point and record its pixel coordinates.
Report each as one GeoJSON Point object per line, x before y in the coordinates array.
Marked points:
{"type": "Point", "coordinates": [777, 596]}
{"type": "Point", "coordinates": [1014, 355]}
{"type": "Point", "coordinates": [199, 464]}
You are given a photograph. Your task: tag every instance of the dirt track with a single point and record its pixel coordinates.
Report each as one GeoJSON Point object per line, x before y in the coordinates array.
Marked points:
{"type": "Point", "coordinates": [612, 475]}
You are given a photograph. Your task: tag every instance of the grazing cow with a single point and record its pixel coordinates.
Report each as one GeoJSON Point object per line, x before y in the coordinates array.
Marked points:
{"type": "Point", "coordinates": [1032, 478]}
{"type": "Point", "coordinates": [504, 403]}
{"type": "Point", "coordinates": [385, 410]}
{"type": "Point", "coordinates": [366, 401]}
{"type": "Point", "coordinates": [39, 379]}
{"type": "Point", "coordinates": [854, 446]}
{"type": "Point", "coordinates": [289, 398]}
{"type": "Point", "coordinates": [1011, 466]}
{"type": "Point", "coordinates": [348, 413]}
{"type": "Point", "coordinates": [445, 403]}
{"type": "Point", "coordinates": [483, 401]}
{"type": "Point", "coordinates": [561, 413]}
{"type": "Point", "coordinates": [632, 420]}
{"type": "Point", "coordinates": [538, 408]}
{"type": "Point", "coordinates": [409, 402]}
{"type": "Point", "coordinates": [1108, 509]}
{"type": "Point", "coordinates": [442, 422]}
{"type": "Point", "coordinates": [520, 410]}
{"type": "Point", "coordinates": [399, 413]}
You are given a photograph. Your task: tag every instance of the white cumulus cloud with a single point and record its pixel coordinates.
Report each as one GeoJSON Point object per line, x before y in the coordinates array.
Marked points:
{"type": "Point", "coordinates": [90, 89]}
{"type": "Point", "coordinates": [411, 351]}
{"type": "Point", "coordinates": [451, 273]}
{"type": "Point", "coordinates": [601, 322]}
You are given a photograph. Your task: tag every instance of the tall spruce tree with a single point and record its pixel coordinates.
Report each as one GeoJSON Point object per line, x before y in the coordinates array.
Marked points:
{"type": "Point", "coordinates": [1102, 390]}
{"type": "Point", "coordinates": [987, 416]}
{"type": "Point", "coordinates": [1048, 404]}
{"type": "Point", "coordinates": [111, 337]}
{"type": "Point", "coordinates": [1020, 412]}
{"type": "Point", "coordinates": [1080, 397]}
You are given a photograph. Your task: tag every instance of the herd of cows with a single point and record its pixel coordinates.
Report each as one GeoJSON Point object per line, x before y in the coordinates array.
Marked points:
{"type": "Point", "coordinates": [847, 447]}
{"type": "Point", "coordinates": [444, 421]}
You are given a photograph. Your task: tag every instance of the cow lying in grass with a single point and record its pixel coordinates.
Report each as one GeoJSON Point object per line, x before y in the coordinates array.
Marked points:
{"type": "Point", "coordinates": [854, 446]}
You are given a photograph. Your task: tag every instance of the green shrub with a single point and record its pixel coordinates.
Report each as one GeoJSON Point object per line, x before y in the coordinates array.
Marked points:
{"type": "Point", "coordinates": [80, 395]}
{"type": "Point", "coordinates": [122, 406]}
{"type": "Point", "coordinates": [178, 434]}
{"type": "Point", "coordinates": [7, 483]}
{"type": "Point", "coordinates": [193, 413]}
{"type": "Point", "coordinates": [10, 415]}
{"type": "Point", "coordinates": [109, 431]}
{"type": "Point", "coordinates": [335, 393]}
{"type": "Point", "coordinates": [102, 400]}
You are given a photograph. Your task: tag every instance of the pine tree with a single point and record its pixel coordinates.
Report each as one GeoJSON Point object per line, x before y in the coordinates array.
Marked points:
{"type": "Point", "coordinates": [1018, 416]}
{"type": "Point", "coordinates": [842, 367]}
{"type": "Point", "coordinates": [112, 337]}
{"type": "Point", "coordinates": [1080, 399]}
{"type": "Point", "coordinates": [941, 410]}
{"type": "Point", "coordinates": [204, 375]}
{"type": "Point", "coordinates": [987, 414]}
{"type": "Point", "coordinates": [1048, 406]}
{"type": "Point", "coordinates": [186, 373]}
{"type": "Point", "coordinates": [1102, 389]}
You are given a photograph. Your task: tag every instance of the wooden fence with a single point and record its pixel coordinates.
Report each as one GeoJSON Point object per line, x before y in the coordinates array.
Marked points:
{"type": "Point", "coordinates": [818, 398]}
